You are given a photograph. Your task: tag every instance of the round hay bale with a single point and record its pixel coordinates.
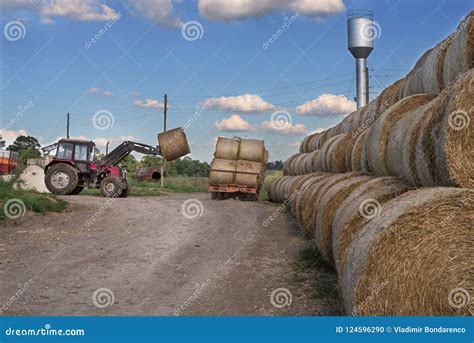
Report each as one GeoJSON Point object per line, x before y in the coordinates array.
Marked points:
{"type": "Point", "coordinates": [325, 161]}
{"type": "Point", "coordinates": [297, 187]}
{"type": "Point", "coordinates": [377, 140]}
{"type": "Point", "coordinates": [287, 164]}
{"type": "Point", "coordinates": [279, 189]}
{"type": "Point", "coordinates": [337, 154]}
{"type": "Point", "coordinates": [414, 80]}
{"type": "Point", "coordinates": [356, 152]}
{"type": "Point", "coordinates": [227, 148]}
{"type": "Point", "coordinates": [310, 206]}
{"type": "Point", "coordinates": [390, 95]}
{"type": "Point", "coordinates": [315, 164]}
{"type": "Point", "coordinates": [252, 150]}
{"type": "Point", "coordinates": [363, 204]}
{"type": "Point", "coordinates": [328, 205]}
{"type": "Point", "coordinates": [303, 143]}
{"type": "Point", "coordinates": [288, 185]}
{"type": "Point", "coordinates": [413, 258]}
{"type": "Point", "coordinates": [400, 155]}
{"type": "Point", "coordinates": [251, 180]}
{"type": "Point", "coordinates": [173, 144]}
{"type": "Point", "coordinates": [226, 174]}
{"type": "Point", "coordinates": [301, 199]}
{"type": "Point", "coordinates": [459, 56]}
{"type": "Point", "coordinates": [455, 148]}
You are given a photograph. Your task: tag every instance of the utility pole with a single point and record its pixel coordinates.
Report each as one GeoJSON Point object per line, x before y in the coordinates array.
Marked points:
{"type": "Point", "coordinates": [163, 165]}
{"type": "Point", "coordinates": [67, 126]}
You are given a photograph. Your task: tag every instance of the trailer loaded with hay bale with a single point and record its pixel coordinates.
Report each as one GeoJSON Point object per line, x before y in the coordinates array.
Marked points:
{"type": "Point", "coordinates": [238, 168]}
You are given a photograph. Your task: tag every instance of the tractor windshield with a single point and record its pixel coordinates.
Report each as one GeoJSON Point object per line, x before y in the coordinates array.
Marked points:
{"type": "Point", "coordinates": [81, 152]}
{"type": "Point", "coordinates": [65, 151]}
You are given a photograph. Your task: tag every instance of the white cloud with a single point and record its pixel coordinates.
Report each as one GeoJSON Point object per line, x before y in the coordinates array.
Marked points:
{"type": "Point", "coordinates": [233, 124]}
{"type": "Point", "coordinates": [148, 103]}
{"type": "Point", "coordinates": [294, 144]}
{"type": "Point", "coordinates": [159, 11]}
{"type": "Point", "coordinates": [327, 105]}
{"type": "Point", "coordinates": [95, 90]}
{"type": "Point", "coordinates": [288, 129]}
{"type": "Point", "coordinates": [9, 136]}
{"type": "Point", "coordinates": [247, 103]}
{"type": "Point", "coordinates": [225, 10]}
{"type": "Point", "coordinates": [81, 10]}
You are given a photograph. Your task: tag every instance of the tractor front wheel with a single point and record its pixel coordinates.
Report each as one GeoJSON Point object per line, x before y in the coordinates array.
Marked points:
{"type": "Point", "coordinates": [111, 187]}
{"type": "Point", "coordinates": [61, 179]}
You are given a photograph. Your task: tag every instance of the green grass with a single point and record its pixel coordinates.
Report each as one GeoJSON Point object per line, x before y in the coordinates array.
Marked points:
{"type": "Point", "coordinates": [32, 201]}
{"type": "Point", "coordinates": [173, 184]}
{"type": "Point", "coordinates": [270, 176]}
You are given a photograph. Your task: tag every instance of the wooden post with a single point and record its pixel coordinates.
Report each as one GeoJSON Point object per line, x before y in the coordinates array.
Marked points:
{"type": "Point", "coordinates": [163, 165]}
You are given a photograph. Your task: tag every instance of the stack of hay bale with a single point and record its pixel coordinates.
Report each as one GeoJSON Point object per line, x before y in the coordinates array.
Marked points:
{"type": "Point", "coordinates": [239, 162]}
{"type": "Point", "coordinates": [398, 249]}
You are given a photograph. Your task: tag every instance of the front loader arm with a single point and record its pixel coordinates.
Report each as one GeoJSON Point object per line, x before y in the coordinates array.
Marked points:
{"type": "Point", "coordinates": [124, 149]}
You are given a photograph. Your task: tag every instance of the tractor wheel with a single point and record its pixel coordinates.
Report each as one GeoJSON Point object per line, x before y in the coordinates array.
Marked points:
{"type": "Point", "coordinates": [61, 179]}
{"type": "Point", "coordinates": [111, 187]}
{"type": "Point", "coordinates": [125, 190]}
{"type": "Point", "coordinates": [78, 190]}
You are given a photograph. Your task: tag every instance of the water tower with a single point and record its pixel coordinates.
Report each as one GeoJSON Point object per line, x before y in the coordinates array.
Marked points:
{"type": "Point", "coordinates": [361, 33]}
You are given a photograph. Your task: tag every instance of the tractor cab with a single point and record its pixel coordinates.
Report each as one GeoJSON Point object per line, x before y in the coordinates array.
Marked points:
{"type": "Point", "coordinates": [78, 152]}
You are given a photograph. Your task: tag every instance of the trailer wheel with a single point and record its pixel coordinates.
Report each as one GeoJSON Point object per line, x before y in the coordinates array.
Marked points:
{"type": "Point", "coordinates": [61, 179]}
{"type": "Point", "coordinates": [111, 187]}
{"type": "Point", "coordinates": [213, 195]}
{"type": "Point", "coordinates": [220, 195]}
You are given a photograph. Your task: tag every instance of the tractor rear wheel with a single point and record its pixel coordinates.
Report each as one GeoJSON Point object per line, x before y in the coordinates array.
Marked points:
{"type": "Point", "coordinates": [61, 179]}
{"type": "Point", "coordinates": [111, 187]}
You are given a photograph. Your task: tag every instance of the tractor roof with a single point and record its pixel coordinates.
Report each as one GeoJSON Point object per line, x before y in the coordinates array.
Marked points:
{"type": "Point", "coordinates": [75, 141]}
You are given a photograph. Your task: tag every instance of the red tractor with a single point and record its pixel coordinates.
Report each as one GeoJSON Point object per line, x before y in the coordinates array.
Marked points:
{"type": "Point", "coordinates": [73, 168]}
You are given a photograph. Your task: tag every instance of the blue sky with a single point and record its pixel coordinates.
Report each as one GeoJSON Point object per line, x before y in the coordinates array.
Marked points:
{"type": "Point", "coordinates": [230, 69]}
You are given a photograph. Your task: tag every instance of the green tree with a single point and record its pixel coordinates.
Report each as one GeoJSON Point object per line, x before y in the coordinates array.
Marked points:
{"type": "Point", "coordinates": [151, 161]}
{"type": "Point", "coordinates": [130, 164]}
{"type": "Point", "coordinates": [27, 147]}
{"type": "Point", "coordinates": [24, 143]}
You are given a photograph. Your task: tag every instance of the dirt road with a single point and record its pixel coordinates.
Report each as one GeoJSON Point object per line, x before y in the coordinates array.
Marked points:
{"type": "Point", "coordinates": [180, 254]}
